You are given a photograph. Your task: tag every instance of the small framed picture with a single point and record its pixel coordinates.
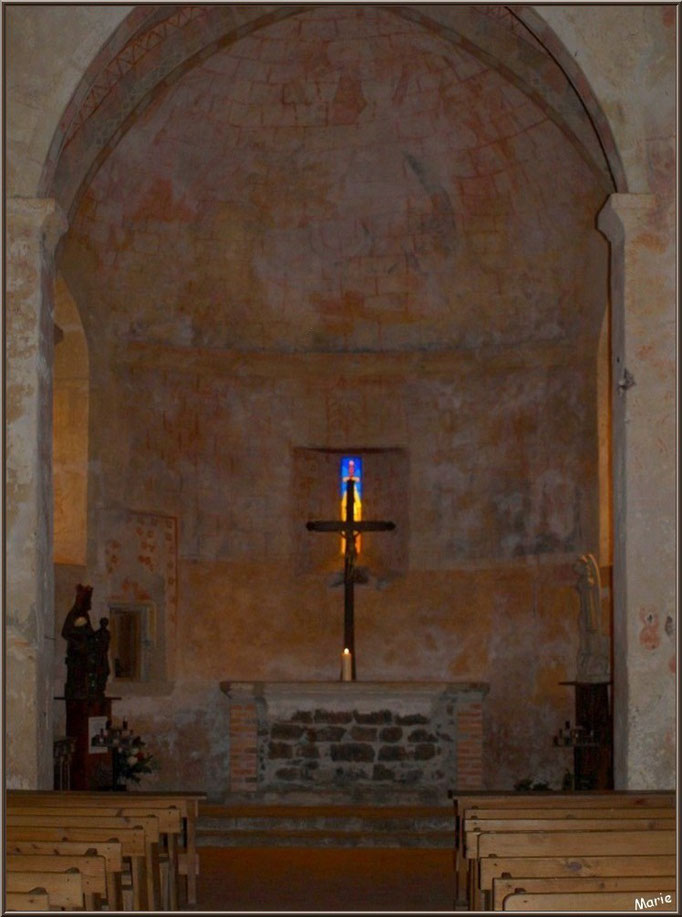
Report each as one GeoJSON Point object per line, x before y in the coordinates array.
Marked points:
{"type": "Point", "coordinates": [95, 725]}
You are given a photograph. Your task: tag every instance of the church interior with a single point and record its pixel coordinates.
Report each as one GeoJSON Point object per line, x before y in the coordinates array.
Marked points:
{"type": "Point", "coordinates": [255, 251]}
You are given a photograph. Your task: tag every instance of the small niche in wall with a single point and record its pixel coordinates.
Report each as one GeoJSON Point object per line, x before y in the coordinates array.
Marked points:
{"type": "Point", "coordinates": [133, 649]}
{"type": "Point", "coordinates": [385, 496]}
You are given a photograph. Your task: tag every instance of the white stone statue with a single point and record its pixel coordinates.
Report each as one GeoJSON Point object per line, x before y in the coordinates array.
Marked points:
{"type": "Point", "coordinates": [594, 656]}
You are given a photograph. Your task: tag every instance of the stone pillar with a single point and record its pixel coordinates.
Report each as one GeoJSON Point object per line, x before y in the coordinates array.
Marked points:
{"type": "Point", "coordinates": [34, 225]}
{"type": "Point", "coordinates": [641, 232]}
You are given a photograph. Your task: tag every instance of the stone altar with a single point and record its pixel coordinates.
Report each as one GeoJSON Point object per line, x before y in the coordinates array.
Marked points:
{"type": "Point", "coordinates": [389, 741]}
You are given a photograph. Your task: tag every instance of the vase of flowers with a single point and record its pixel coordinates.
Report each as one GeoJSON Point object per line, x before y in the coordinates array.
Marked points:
{"type": "Point", "coordinates": [128, 756]}
{"type": "Point", "coordinates": [131, 761]}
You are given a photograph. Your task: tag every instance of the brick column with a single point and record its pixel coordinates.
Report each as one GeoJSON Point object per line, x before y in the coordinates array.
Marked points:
{"type": "Point", "coordinates": [640, 231]}
{"type": "Point", "coordinates": [469, 746]}
{"type": "Point", "coordinates": [34, 225]}
{"type": "Point", "coordinates": [243, 747]}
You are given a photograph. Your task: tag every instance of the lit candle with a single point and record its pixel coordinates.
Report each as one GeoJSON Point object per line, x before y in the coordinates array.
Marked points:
{"type": "Point", "coordinates": [346, 665]}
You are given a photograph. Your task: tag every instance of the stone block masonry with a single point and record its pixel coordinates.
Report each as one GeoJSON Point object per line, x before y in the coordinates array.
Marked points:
{"type": "Point", "coordinates": [318, 737]}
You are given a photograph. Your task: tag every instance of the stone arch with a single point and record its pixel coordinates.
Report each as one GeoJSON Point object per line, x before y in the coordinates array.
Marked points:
{"type": "Point", "coordinates": [534, 22]}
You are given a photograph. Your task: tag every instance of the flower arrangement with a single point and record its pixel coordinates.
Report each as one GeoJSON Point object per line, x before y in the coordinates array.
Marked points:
{"type": "Point", "coordinates": [129, 758]}
{"type": "Point", "coordinates": [131, 761]}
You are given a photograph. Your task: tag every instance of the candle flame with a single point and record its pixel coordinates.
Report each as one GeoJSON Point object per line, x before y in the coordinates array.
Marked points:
{"type": "Point", "coordinates": [346, 652]}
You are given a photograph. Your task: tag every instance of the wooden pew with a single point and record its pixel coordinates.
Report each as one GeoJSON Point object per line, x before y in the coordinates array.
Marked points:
{"type": "Point", "coordinates": [132, 842]}
{"type": "Point", "coordinates": [550, 799]}
{"type": "Point", "coordinates": [576, 843]}
{"type": "Point", "coordinates": [35, 900]}
{"type": "Point", "coordinates": [566, 811]}
{"type": "Point", "coordinates": [168, 818]}
{"type": "Point", "coordinates": [492, 867]}
{"type": "Point", "coordinates": [186, 801]}
{"type": "Point", "coordinates": [571, 884]}
{"type": "Point", "coordinates": [64, 889]}
{"type": "Point", "coordinates": [91, 868]}
{"type": "Point", "coordinates": [587, 901]}
{"type": "Point", "coordinates": [475, 828]}
{"type": "Point", "coordinates": [148, 823]}
{"type": "Point", "coordinates": [109, 852]}
{"type": "Point", "coordinates": [567, 843]}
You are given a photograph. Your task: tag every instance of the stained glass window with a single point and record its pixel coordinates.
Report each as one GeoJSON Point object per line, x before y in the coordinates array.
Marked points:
{"type": "Point", "coordinates": [351, 467]}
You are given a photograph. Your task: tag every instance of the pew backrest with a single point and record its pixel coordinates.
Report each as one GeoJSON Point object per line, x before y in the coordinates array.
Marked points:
{"type": "Point", "coordinates": [131, 840]}
{"type": "Point", "coordinates": [474, 827]}
{"type": "Point", "coordinates": [148, 823]}
{"type": "Point", "coordinates": [575, 866]}
{"type": "Point", "coordinates": [567, 811]}
{"type": "Point", "coordinates": [64, 889]}
{"type": "Point", "coordinates": [590, 901]}
{"type": "Point", "coordinates": [564, 885]}
{"type": "Point", "coordinates": [575, 843]}
{"type": "Point", "coordinates": [35, 900]}
{"type": "Point", "coordinates": [91, 868]}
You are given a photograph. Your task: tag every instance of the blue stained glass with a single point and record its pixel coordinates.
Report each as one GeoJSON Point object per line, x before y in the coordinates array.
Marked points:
{"type": "Point", "coordinates": [356, 470]}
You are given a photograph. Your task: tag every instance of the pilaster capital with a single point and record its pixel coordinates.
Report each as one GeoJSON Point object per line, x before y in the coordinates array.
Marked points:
{"type": "Point", "coordinates": [41, 217]}
{"type": "Point", "coordinates": [625, 214]}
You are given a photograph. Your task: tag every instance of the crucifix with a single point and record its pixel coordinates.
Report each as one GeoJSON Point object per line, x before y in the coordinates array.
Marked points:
{"type": "Point", "coordinates": [350, 528]}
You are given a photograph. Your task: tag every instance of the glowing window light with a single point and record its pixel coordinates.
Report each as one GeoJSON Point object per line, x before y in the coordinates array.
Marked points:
{"type": "Point", "coordinates": [351, 467]}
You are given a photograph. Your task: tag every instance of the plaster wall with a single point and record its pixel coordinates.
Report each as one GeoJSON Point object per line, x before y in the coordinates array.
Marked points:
{"type": "Point", "coordinates": [500, 500]}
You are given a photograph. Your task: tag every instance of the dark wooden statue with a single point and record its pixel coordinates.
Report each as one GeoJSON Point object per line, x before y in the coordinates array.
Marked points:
{"type": "Point", "coordinates": [87, 661]}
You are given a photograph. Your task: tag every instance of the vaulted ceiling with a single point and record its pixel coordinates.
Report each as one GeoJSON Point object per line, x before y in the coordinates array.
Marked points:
{"type": "Point", "coordinates": [339, 178]}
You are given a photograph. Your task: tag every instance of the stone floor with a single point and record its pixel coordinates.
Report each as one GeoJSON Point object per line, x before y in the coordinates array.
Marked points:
{"type": "Point", "coordinates": [280, 879]}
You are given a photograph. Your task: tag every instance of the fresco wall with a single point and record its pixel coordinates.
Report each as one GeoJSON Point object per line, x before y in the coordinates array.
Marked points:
{"type": "Point", "coordinates": [342, 233]}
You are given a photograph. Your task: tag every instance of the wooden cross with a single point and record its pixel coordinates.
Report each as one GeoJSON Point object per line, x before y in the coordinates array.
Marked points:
{"type": "Point", "coordinates": [350, 528]}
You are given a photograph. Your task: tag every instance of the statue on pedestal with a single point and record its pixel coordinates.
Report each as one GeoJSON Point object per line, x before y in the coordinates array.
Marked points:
{"type": "Point", "coordinates": [594, 649]}
{"type": "Point", "coordinates": [87, 650]}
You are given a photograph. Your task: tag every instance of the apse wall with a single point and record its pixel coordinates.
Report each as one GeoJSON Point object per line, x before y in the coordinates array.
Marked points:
{"type": "Point", "coordinates": [341, 233]}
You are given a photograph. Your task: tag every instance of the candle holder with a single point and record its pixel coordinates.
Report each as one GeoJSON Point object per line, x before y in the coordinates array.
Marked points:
{"type": "Point", "coordinates": [129, 760]}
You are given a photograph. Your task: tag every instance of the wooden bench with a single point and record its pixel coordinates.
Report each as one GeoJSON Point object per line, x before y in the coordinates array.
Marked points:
{"type": "Point", "coordinates": [64, 889]}
{"type": "Point", "coordinates": [35, 900]}
{"type": "Point", "coordinates": [587, 901]}
{"type": "Point", "coordinates": [108, 851]}
{"type": "Point", "coordinates": [513, 801]}
{"type": "Point", "coordinates": [567, 844]}
{"type": "Point", "coordinates": [518, 868]}
{"type": "Point", "coordinates": [475, 828]}
{"type": "Point", "coordinates": [566, 811]}
{"type": "Point", "coordinates": [91, 868]}
{"type": "Point", "coordinates": [169, 823]}
{"type": "Point", "coordinates": [147, 871]}
{"type": "Point", "coordinates": [575, 843]}
{"type": "Point", "coordinates": [187, 802]}
{"type": "Point", "coordinates": [132, 843]}
{"type": "Point", "coordinates": [573, 885]}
